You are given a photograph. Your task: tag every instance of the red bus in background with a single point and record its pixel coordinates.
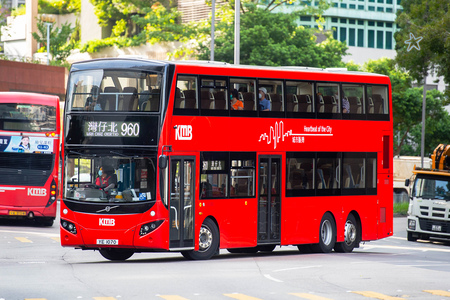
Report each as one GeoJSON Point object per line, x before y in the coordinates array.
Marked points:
{"type": "Point", "coordinates": [29, 156]}
{"type": "Point", "coordinates": [180, 170]}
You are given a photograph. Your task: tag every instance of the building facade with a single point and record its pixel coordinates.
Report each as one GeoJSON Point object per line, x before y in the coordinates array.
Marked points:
{"type": "Point", "coordinates": [366, 26]}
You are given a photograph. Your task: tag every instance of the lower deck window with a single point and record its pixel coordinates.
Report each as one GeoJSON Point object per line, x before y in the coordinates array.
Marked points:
{"type": "Point", "coordinates": [225, 174]}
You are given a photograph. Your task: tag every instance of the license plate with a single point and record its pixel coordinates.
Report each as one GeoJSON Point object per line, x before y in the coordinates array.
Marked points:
{"type": "Point", "coordinates": [17, 213]}
{"type": "Point", "coordinates": [107, 242]}
{"type": "Point", "coordinates": [436, 227]}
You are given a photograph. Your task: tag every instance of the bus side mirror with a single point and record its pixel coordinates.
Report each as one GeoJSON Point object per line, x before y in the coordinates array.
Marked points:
{"type": "Point", "coordinates": [162, 161]}
{"type": "Point", "coordinates": [407, 182]}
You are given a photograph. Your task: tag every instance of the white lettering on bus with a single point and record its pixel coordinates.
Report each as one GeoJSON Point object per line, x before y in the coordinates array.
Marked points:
{"type": "Point", "coordinates": [183, 132]}
{"type": "Point", "coordinates": [106, 222]}
{"type": "Point", "coordinates": [37, 192]}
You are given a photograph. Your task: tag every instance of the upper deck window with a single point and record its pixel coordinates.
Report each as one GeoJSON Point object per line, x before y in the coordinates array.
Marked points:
{"type": "Point", "coordinates": [27, 117]}
{"type": "Point", "coordinates": [328, 100]}
{"type": "Point", "coordinates": [108, 90]}
{"type": "Point", "coordinates": [377, 102]}
{"type": "Point", "coordinates": [299, 98]}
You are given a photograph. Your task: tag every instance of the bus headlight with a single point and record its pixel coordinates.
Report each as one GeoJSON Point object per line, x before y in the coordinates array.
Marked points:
{"type": "Point", "coordinates": [149, 227]}
{"type": "Point", "coordinates": [412, 224]}
{"type": "Point", "coordinates": [69, 226]}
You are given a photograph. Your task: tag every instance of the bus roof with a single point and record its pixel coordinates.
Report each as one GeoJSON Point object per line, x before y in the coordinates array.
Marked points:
{"type": "Point", "coordinates": [32, 98]}
{"type": "Point", "coordinates": [137, 62]}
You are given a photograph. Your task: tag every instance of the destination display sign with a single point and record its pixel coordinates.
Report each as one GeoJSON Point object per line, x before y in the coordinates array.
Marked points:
{"type": "Point", "coordinates": [213, 165]}
{"type": "Point", "coordinates": [111, 129]}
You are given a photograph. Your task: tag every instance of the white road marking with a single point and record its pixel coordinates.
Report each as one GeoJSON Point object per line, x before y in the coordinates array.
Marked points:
{"type": "Point", "coordinates": [271, 278]}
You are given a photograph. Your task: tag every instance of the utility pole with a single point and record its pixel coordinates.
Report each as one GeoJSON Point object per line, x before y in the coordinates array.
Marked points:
{"type": "Point", "coordinates": [237, 33]}
{"type": "Point", "coordinates": [213, 23]}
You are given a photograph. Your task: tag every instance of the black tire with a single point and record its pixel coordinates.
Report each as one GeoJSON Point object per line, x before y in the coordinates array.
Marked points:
{"type": "Point", "coordinates": [411, 238]}
{"type": "Point", "coordinates": [352, 234]}
{"type": "Point", "coordinates": [116, 253]}
{"type": "Point", "coordinates": [327, 235]}
{"type": "Point", "coordinates": [44, 221]}
{"type": "Point", "coordinates": [208, 242]}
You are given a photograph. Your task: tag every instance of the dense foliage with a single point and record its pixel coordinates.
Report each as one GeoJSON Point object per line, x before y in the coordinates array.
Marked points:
{"type": "Point", "coordinates": [59, 7]}
{"type": "Point", "coordinates": [60, 45]}
{"type": "Point", "coordinates": [274, 39]}
{"type": "Point", "coordinates": [429, 20]}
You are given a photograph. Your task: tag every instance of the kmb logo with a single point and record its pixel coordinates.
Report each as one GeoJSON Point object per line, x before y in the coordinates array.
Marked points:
{"type": "Point", "coordinates": [37, 192]}
{"type": "Point", "coordinates": [183, 132]}
{"type": "Point", "coordinates": [106, 222]}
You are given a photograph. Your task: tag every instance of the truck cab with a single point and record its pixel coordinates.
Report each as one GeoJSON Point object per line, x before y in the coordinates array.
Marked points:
{"type": "Point", "coordinates": [429, 205]}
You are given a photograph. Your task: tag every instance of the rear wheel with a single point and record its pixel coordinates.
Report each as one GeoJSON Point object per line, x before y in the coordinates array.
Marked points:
{"type": "Point", "coordinates": [208, 242]}
{"type": "Point", "coordinates": [327, 235]}
{"type": "Point", "coordinates": [116, 254]}
{"type": "Point", "coordinates": [351, 234]}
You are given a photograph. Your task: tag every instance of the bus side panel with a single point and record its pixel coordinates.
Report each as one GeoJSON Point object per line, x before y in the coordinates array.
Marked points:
{"type": "Point", "coordinates": [301, 217]}
{"type": "Point", "coordinates": [385, 206]}
{"type": "Point", "coordinates": [300, 220]}
{"type": "Point", "coordinates": [236, 218]}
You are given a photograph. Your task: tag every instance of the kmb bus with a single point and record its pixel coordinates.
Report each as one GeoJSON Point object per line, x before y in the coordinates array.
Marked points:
{"type": "Point", "coordinates": [29, 156]}
{"type": "Point", "coordinates": [185, 172]}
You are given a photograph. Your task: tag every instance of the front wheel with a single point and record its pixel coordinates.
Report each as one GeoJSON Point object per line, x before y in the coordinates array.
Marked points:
{"type": "Point", "coordinates": [327, 235]}
{"type": "Point", "coordinates": [116, 253]}
{"type": "Point", "coordinates": [351, 234]}
{"type": "Point", "coordinates": [208, 242]}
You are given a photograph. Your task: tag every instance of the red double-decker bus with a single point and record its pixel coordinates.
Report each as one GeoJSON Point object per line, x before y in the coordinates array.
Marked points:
{"type": "Point", "coordinates": [305, 161]}
{"type": "Point", "coordinates": [29, 156]}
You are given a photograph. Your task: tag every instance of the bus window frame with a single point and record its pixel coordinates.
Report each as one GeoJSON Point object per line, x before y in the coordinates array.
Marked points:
{"type": "Point", "coordinates": [226, 88]}
{"type": "Point", "coordinates": [374, 116]}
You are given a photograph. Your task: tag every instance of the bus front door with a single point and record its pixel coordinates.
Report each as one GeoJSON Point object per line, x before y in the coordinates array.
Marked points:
{"type": "Point", "coordinates": [269, 199]}
{"type": "Point", "coordinates": [181, 203]}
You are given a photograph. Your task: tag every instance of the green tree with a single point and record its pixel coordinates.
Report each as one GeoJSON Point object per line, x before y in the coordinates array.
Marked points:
{"type": "Point", "coordinates": [436, 124]}
{"type": "Point", "coordinates": [430, 21]}
{"type": "Point", "coordinates": [59, 6]}
{"type": "Point", "coordinates": [273, 39]}
{"type": "Point", "coordinates": [60, 46]}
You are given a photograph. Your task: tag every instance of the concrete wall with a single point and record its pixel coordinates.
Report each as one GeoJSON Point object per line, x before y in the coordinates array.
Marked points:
{"type": "Point", "coordinates": [27, 77]}
{"type": "Point", "coordinates": [90, 30]}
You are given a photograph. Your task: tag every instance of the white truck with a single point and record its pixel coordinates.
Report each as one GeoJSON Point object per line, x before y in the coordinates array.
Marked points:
{"type": "Point", "coordinates": [429, 204]}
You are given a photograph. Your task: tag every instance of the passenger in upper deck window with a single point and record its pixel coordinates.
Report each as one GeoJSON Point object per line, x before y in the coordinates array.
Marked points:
{"type": "Point", "coordinates": [236, 104]}
{"type": "Point", "coordinates": [264, 104]}
{"type": "Point", "coordinates": [92, 101]}
{"type": "Point", "coordinates": [345, 104]}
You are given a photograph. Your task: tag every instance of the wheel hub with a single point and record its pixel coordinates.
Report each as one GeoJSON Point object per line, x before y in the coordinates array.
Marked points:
{"type": "Point", "coordinates": [205, 238]}
{"type": "Point", "coordinates": [327, 232]}
{"type": "Point", "coordinates": [350, 233]}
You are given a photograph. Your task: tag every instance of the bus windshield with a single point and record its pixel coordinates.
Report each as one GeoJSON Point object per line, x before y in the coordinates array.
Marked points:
{"type": "Point", "coordinates": [27, 117]}
{"type": "Point", "coordinates": [432, 187]}
{"type": "Point", "coordinates": [110, 178]}
{"type": "Point", "coordinates": [111, 90]}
